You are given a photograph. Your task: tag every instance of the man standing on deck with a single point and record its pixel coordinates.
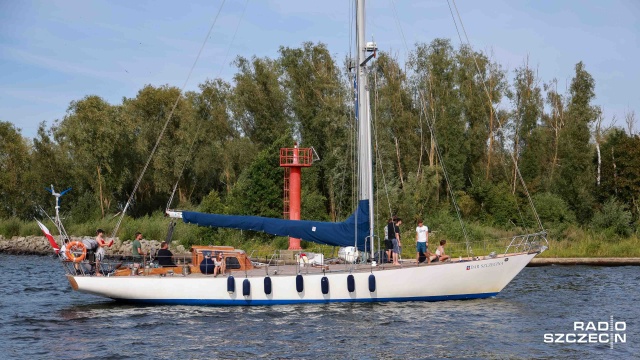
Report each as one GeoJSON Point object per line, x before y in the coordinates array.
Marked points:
{"type": "Point", "coordinates": [100, 250]}
{"type": "Point", "coordinates": [396, 241]}
{"type": "Point", "coordinates": [422, 241]}
{"type": "Point", "coordinates": [136, 247]}
{"type": "Point", "coordinates": [389, 234]}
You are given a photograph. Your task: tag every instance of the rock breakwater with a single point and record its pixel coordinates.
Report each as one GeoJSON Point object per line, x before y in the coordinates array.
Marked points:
{"type": "Point", "coordinates": [39, 245]}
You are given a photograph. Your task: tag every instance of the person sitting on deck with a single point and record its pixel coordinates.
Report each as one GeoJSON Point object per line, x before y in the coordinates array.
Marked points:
{"type": "Point", "coordinates": [165, 256]}
{"type": "Point", "coordinates": [220, 266]}
{"type": "Point", "coordinates": [440, 254]}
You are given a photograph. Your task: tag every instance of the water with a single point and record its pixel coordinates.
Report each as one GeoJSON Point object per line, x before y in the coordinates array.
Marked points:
{"type": "Point", "coordinates": [42, 318]}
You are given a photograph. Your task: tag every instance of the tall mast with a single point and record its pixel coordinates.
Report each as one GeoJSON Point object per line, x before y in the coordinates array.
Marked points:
{"type": "Point", "coordinates": [365, 167]}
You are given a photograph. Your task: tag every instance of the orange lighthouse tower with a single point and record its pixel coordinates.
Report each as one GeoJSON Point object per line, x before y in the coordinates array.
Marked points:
{"type": "Point", "coordinates": [293, 160]}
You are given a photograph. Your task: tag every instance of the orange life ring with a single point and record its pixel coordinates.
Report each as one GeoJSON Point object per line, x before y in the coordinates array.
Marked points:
{"type": "Point", "coordinates": [76, 251]}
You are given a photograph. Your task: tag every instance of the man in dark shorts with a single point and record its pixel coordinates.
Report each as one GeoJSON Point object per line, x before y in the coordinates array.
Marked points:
{"type": "Point", "coordinates": [389, 235]}
{"type": "Point", "coordinates": [395, 253]}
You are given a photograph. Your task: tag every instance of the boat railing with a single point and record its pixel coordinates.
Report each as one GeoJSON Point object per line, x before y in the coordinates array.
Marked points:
{"type": "Point", "coordinates": [535, 242]}
{"type": "Point", "coordinates": [111, 263]}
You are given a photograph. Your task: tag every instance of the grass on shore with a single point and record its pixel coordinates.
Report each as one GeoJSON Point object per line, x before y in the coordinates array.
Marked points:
{"type": "Point", "coordinates": [570, 242]}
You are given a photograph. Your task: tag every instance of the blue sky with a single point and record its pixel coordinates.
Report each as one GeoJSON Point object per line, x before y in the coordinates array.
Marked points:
{"type": "Point", "coordinates": [53, 52]}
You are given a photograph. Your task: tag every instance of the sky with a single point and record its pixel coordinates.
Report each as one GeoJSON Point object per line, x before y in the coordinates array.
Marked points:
{"type": "Point", "coordinates": [56, 51]}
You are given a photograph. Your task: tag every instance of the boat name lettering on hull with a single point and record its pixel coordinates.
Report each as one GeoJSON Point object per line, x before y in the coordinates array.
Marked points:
{"type": "Point", "coordinates": [484, 266]}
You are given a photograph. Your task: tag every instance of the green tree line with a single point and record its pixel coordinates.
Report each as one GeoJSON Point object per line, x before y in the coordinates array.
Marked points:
{"type": "Point", "coordinates": [222, 144]}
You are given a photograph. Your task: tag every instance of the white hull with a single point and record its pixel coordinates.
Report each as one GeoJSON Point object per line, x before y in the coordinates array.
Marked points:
{"type": "Point", "coordinates": [449, 281]}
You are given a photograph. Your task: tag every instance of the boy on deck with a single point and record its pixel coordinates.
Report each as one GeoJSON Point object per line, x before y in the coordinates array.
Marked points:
{"type": "Point", "coordinates": [422, 241]}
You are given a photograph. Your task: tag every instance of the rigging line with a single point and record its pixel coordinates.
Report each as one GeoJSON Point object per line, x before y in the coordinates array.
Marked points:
{"type": "Point", "coordinates": [184, 165]}
{"type": "Point", "coordinates": [484, 84]}
{"type": "Point", "coordinates": [166, 123]}
{"type": "Point", "coordinates": [489, 96]}
{"type": "Point", "coordinates": [193, 141]}
{"type": "Point", "coordinates": [351, 19]}
{"type": "Point", "coordinates": [399, 25]}
{"type": "Point", "coordinates": [506, 173]}
{"type": "Point", "coordinates": [375, 137]}
{"type": "Point", "coordinates": [433, 135]}
{"type": "Point", "coordinates": [233, 38]}
{"type": "Point", "coordinates": [431, 125]}
{"type": "Point", "coordinates": [348, 158]}
{"type": "Point", "coordinates": [375, 134]}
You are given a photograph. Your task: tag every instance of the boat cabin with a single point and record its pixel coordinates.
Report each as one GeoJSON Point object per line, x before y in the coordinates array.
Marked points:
{"type": "Point", "coordinates": [235, 259]}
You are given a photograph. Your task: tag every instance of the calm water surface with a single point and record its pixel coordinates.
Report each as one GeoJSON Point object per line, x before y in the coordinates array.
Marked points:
{"type": "Point", "coordinates": [42, 318]}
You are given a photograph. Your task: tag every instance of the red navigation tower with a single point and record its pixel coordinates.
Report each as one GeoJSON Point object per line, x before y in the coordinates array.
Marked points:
{"type": "Point", "coordinates": [293, 160]}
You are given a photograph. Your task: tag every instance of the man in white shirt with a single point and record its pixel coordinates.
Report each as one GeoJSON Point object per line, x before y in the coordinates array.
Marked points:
{"type": "Point", "coordinates": [422, 241]}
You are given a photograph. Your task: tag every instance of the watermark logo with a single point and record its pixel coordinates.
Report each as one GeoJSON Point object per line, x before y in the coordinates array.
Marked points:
{"type": "Point", "coordinates": [591, 332]}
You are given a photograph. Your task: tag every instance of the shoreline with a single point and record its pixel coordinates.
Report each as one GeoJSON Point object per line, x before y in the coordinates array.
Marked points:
{"type": "Point", "coordinates": [39, 245]}
{"type": "Point", "coordinates": [595, 261]}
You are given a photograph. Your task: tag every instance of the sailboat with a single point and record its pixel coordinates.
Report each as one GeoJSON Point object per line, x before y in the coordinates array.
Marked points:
{"type": "Point", "coordinates": [471, 277]}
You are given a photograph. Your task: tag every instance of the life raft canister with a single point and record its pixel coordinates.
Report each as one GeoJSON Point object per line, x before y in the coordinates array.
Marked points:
{"type": "Point", "coordinates": [76, 251]}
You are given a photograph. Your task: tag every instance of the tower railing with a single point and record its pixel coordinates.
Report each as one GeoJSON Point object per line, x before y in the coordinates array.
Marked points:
{"type": "Point", "coordinates": [294, 157]}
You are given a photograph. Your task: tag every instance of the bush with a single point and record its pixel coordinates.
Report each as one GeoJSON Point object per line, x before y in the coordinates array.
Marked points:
{"type": "Point", "coordinates": [86, 208]}
{"type": "Point", "coordinates": [503, 206]}
{"type": "Point", "coordinates": [10, 227]}
{"type": "Point", "coordinates": [31, 228]}
{"type": "Point", "coordinates": [613, 217]}
{"type": "Point", "coordinates": [552, 209]}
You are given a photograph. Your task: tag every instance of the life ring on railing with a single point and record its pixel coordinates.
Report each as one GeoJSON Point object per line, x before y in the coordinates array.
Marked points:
{"type": "Point", "coordinates": [76, 251]}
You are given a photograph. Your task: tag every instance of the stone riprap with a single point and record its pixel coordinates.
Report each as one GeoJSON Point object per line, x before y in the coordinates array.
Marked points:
{"type": "Point", "coordinates": [39, 245]}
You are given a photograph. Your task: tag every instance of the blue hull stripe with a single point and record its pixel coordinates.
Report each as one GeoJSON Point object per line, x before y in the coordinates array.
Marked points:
{"type": "Point", "coordinates": [243, 302]}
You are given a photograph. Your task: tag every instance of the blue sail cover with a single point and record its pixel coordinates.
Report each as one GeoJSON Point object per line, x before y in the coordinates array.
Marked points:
{"type": "Point", "coordinates": [329, 233]}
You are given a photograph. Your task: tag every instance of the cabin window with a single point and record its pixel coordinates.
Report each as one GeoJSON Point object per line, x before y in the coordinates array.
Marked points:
{"type": "Point", "coordinates": [232, 262]}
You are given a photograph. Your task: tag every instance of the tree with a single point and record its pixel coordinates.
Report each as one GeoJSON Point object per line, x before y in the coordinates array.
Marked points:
{"type": "Point", "coordinates": [219, 152]}
{"type": "Point", "coordinates": [401, 143]}
{"type": "Point", "coordinates": [259, 101]}
{"type": "Point", "coordinates": [576, 178]}
{"type": "Point", "coordinates": [91, 136]}
{"type": "Point", "coordinates": [528, 143]}
{"type": "Point", "coordinates": [143, 120]}
{"type": "Point", "coordinates": [51, 167]}
{"type": "Point", "coordinates": [14, 173]}
{"type": "Point", "coordinates": [316, 102]}
{"type": "Point", "coordinates": [621, 170]}
{"type": "Point", "coordinates": [259, 190]}
{"type": "Point", "coordinates": [553, 124]}
{"type": "Point", "coordinates": [434, 66]}
{"type": "Point", "coordinates": [478, 96]}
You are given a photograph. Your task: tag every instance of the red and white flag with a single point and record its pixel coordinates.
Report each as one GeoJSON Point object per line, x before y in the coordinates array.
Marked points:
{"type": "Point", "coordinates": [47, 233]}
